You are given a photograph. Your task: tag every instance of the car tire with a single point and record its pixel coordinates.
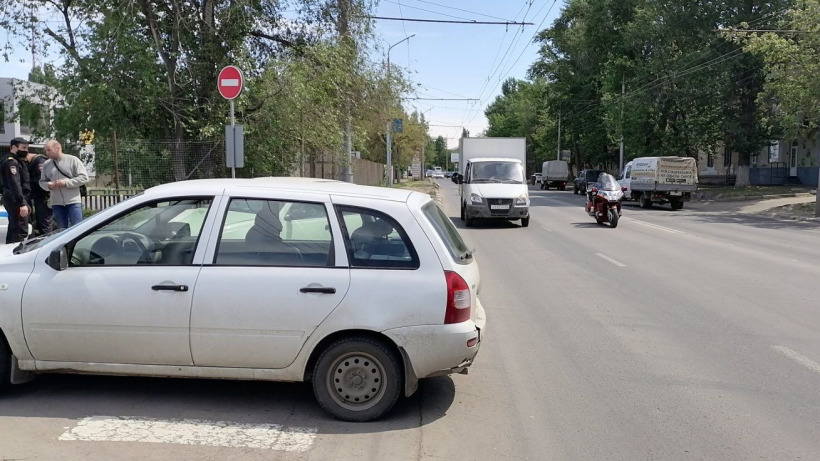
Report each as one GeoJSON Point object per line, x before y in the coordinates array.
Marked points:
{"type": "Point", "coordinates": [357, 379]}
{"type": "Point", "coordinates": [468, 221]}
{"type": "Point", "coordinates": [676, 205]}
{"type": "Point", "coordinates": [525, 222]}
{"type": "Point", "coordinates": [5, 365]}
{"type": "Point", "coordinates": [463, 214]}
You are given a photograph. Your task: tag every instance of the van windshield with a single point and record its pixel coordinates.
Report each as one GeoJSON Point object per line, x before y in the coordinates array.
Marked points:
{"type": "Point", "coordinates": [501, 172]}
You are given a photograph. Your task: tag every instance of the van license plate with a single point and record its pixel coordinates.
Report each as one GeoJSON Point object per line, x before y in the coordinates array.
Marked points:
{"type": "Point", "coordinates": [676, 193]}
{"type": "Point", "coordinates": [499, 207]}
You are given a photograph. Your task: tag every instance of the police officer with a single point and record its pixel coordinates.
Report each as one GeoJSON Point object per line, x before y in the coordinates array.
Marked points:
{"type": "Point", "coordinates": [16, 190]}
{"type": "Point", "coordinates": [40, 211]}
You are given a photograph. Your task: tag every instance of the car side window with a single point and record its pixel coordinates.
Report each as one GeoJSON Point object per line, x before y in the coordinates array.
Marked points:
{"type": "Point", "coordinates": [375, 240]}
{"type": "Point", "coordinates": [163, 233]}
{"type": "Point", "coordinates": [275, 233]}
{"type": "Point", "coordinates": [628, 172]}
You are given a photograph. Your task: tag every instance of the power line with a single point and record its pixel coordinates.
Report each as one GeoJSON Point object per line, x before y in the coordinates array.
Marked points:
{"type": "Point", "coordinates": [425, 10]}
{"type": "Point", "coordinates": [441, 21]}
{"type": "Point", "coordinates": [460, 9]}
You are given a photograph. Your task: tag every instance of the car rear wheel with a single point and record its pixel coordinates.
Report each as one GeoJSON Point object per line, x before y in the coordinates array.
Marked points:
{"type": "Point", "coordinates": [357, 379]}
{"type": "Point", "coordinates": [676, 205]}
{"type": "Point", "coordinates": [525, 221]}
{"type": "Point", "coordinates": [5, 364]}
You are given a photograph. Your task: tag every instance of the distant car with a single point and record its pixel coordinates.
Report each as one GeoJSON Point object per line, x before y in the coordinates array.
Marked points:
{"type": "Point", "coordinates": [4, 224]}
{"type": "Point", "coordinates": [177, 282]}
{"type": "Point", "coordinates": [436, 172]}
{"type": "Point", "coordinates": [536, 179]}
{"type": "Point", "coordinates": [584, 178]}
{"type": "Point", "coordinates": [448, 174]}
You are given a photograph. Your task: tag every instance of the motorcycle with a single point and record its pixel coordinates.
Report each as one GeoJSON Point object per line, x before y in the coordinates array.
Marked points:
{"type": "Point", "coordinates": [604, 200]}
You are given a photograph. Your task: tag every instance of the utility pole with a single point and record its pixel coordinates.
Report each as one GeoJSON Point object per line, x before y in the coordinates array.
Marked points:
{"type": "Point", "coordinates": [621, 159]}
{"type": "Point", "coordinates": [344, 31]}
{"type": "Point", "coordinates": [559, 137]}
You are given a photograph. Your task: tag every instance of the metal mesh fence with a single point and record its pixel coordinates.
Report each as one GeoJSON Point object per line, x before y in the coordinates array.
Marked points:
{"type": "Point", "coordinates": [143, 164]}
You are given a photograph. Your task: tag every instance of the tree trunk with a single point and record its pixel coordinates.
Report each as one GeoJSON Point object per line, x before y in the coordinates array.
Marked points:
{"type": "Point", "coordinates": [742, 178]}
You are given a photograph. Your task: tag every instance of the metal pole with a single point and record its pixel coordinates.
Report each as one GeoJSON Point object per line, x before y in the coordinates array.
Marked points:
{"type": "Point", "coordinates": [389, 122]}
{"type": "Point", "coordinates": [389, 155]}
{"type": "Point", "coordinates": [621, 158]}
{"type": "Point", "coordinates": [559, 137]}
{"type": "Point", "coordinates": [233, 132]}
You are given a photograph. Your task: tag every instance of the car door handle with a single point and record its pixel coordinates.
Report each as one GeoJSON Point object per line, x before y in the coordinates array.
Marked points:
{"type": "Point", "coordinates": [170, 287]}
{"type": "Point", "coordinates": [323, 290]}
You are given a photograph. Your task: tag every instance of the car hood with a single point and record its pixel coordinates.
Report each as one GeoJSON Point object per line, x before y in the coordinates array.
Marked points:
{"type": "Point", "coordinates": [499, 190]}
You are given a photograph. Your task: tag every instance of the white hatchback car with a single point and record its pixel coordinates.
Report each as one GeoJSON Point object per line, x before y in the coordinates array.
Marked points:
{"type": "Point", "coordinates": [360, 290]}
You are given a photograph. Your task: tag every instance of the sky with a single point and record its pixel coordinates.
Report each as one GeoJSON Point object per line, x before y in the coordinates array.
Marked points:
{"type": "Point", "coordinates": [463, 62]}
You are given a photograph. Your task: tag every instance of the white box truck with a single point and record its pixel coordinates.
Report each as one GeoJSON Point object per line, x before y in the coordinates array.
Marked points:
{"type": "Point", "coordinates": [660, 180]}
{"type": "Point", "coordinates": [491, 179]}
{"type": "Point", "coordinates": [554, 173]}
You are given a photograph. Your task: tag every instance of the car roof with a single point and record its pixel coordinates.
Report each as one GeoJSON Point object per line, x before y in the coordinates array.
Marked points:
{"type": "Point", "coordinates": [327, 186]}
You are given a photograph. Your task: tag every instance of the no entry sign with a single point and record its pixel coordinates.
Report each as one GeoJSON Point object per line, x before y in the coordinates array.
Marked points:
{"type": "Point", "coordinates": [229, 82]}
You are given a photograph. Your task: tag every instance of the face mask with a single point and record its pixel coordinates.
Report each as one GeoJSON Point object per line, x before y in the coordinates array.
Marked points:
{"type": "Point", "coordinates": [22, 153]}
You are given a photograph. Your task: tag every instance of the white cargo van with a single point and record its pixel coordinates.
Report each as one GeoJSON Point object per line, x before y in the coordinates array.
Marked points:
{"type": "Point", "coordinates": [491, 179]}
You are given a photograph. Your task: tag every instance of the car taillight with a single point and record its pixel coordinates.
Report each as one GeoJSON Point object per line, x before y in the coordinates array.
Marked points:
{"type": "Point", "coordinates": [458, 299]}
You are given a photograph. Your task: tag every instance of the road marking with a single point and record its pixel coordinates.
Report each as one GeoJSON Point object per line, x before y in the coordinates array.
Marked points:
{"type": "Point", "coordinates": [607, 258]}
{"type": "Point", "coordinates": [655, 226]}
{"type": "Point", "coordinates": [191, 432]}
{"type": "Point", "coordinates": [805, 361]}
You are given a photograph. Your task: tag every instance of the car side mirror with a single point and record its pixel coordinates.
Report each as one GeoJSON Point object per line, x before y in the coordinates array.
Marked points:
{"type": "Point", "coordinates": [58, 259]}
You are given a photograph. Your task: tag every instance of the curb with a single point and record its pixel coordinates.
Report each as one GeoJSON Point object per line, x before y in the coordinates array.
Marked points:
{"type": "Point", "coordinates": [747, 198]}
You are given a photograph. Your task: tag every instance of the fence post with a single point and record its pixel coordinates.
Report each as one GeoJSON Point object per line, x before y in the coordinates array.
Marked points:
{"type": "Point", "coordinates": [116, 164]}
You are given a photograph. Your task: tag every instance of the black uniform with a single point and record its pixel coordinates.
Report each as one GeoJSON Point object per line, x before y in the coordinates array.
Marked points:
{"type": "Point", "coordinates": [39, 197]}
{"type": "Point", "coordinates": [16, 193]}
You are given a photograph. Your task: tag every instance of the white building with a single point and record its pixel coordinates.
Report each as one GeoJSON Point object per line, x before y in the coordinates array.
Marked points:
{"type": "Point", "coordinates": [27, 108]}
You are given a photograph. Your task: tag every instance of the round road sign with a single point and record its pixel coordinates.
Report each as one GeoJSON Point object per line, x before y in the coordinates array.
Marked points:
{"type": "Point", "coordinates": [229, 82]}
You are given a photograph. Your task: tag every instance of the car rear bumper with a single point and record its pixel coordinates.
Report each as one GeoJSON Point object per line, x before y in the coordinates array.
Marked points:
{"type": "Point", "coordinates": [434, 350]}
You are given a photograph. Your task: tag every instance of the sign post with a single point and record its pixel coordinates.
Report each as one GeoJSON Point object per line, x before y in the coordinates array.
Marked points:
{"type": "Point", "coordinates": [229, 83]}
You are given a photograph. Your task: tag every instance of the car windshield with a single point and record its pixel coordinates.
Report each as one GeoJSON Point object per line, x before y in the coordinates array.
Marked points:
{"type": "Point", "coordinates": [499, 171]}
{"type": "Point", "coordinates": [607, 182]}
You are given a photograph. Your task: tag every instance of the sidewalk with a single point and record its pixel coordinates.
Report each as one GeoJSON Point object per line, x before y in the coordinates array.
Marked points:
{"type": "Point", "coordinates": [794, 207]}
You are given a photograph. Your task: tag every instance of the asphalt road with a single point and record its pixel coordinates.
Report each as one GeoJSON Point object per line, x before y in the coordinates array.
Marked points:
{"type": "Point", "coordinates": [678, 335]}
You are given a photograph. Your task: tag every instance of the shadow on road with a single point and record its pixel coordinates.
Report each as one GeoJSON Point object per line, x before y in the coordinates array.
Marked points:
{"type": "Point", "coordinates": [248, 402]}
{"type": "Point", "coordinates": [484, 224]}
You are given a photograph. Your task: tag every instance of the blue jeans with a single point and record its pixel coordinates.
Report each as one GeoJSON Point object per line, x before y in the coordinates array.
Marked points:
{"type": "Point", "coordinates": [63, 214]}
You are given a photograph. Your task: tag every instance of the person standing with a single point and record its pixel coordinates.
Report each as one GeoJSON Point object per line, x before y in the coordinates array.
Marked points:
{"type": "Point", "coordinates": [62, 175]}
{"type": "Point", "coordinates": [16, 190]}
{"type": "Point", "coordinates": [40, 211]}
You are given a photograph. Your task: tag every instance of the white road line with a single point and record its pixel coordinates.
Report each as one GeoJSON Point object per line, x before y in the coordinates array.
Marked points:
{"type": "Point", "coordinates": [655, 226]}
{"type": "Point", "coordinates": [805, 361]}
{"type": "Point", "coordinates": [191, 432]}
{"type": "Point", "coordinates": [607, 258]}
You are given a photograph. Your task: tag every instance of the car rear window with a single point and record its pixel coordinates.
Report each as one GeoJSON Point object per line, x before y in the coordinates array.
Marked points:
{"type": "Point", "coordinates": [448, 233]}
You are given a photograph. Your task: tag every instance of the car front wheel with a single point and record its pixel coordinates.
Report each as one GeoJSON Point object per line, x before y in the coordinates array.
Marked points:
{"type": "Point", "coordinates": [357, 379]}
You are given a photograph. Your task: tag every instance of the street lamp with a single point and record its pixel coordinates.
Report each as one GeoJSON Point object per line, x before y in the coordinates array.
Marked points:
{"type": "Point", "coordinates": [390, 121]}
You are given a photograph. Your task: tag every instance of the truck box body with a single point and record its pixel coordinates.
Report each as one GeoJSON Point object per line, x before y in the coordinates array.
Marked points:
{"type": "Point", "coordinates": [469, 148]}
{"type": "Point", "coordinates": [664, 173]}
